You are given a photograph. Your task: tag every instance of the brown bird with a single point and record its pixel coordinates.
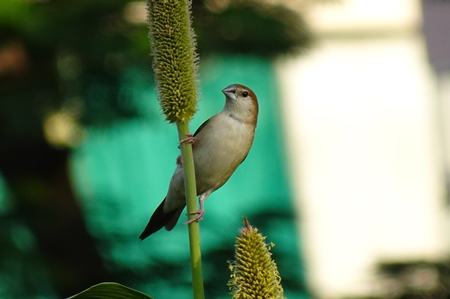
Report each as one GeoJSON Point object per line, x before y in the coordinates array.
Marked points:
{"type": "Point", "coordinates": [219, 145]}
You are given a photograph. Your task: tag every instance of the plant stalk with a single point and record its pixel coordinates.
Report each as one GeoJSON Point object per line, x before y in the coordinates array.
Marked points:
{"type": "Point", "coordinates": [191, 203]}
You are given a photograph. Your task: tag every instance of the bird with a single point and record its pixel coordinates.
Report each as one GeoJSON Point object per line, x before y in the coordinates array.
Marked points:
{"type": "Point", "coordinates": [219, 146]}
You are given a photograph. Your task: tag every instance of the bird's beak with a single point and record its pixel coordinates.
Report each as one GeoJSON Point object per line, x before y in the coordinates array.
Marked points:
{"type": "Point", "coordinates": [230, 92]}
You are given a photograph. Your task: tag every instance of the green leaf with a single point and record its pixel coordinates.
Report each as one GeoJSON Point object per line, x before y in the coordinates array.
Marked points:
{"type": "Point", "coordinates": [110, 290]}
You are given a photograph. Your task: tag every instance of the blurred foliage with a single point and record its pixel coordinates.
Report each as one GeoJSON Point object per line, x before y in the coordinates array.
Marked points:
{"type": "Point", "coordinates": [411, 280]}
{"type": "Point", "coordinates": [251, 27]}
{"type": "Point", "coordinates": [414, 280]}
{"type": "Point", "coordinates": [74, 52]}
{"type": "Point", "coordinates": [22, 272]}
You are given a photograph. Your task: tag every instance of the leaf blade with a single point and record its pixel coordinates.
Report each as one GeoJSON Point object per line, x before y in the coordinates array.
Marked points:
{"type": "Point", "coordinates": [110, 290]}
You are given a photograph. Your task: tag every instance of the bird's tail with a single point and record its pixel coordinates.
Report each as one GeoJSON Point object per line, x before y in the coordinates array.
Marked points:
{"type": "Point", "coordinates": [160, 219]}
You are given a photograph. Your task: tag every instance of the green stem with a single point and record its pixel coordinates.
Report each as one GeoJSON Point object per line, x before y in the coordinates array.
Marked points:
{"type": "Point", "coordinates": [191, 203]}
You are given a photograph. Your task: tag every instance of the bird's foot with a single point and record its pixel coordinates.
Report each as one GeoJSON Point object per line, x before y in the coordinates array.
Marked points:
{"type": "Point", "coordinates": [189, 139]}
{"type": "Point", "coordinates": [200, 212]}
{"type": "Point", "coordinates": [197, 218]}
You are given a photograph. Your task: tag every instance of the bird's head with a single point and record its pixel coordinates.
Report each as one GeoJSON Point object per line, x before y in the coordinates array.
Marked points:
{"type": "Point", "coordinates": [241, 103]}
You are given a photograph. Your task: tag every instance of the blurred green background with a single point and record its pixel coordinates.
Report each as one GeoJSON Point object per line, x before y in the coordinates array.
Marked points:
{"type": "Point", "coordinates": [85, 154]}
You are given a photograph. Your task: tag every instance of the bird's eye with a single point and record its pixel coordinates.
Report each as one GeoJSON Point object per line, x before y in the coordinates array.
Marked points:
{"type": "Point", "coordinates": [245, 94]}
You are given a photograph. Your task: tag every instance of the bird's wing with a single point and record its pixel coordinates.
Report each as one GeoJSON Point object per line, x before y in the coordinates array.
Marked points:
{"type": "Point", "coordinates": [201, 127]}
{"type": "Point", "coordinates": [243, 159]}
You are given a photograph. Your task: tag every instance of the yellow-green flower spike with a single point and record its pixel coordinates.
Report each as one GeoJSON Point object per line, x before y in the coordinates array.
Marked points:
{"type": "Point", "coordinates": [254, 272]}
{"type": "Point", "coordinates": [174, 57]}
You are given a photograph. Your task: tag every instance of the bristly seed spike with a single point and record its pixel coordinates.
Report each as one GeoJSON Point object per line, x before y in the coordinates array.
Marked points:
{"type": "Point", "coordinates": [175, 61]}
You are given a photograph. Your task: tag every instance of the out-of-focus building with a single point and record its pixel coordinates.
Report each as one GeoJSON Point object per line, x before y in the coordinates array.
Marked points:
{"type": "Point", "coordinates": [365, 114]}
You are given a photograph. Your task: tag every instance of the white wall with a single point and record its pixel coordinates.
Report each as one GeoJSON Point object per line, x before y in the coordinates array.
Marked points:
{"type": "Point", "coordinates": [363, 136]}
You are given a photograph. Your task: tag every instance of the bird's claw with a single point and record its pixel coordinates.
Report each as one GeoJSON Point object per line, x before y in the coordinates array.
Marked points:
{"type": "Point", "coordinates": [189, 139]}
{"type": "Point", "coordinates": [199, 216]}
{"type": "Point", "coordinates": [201, 211]}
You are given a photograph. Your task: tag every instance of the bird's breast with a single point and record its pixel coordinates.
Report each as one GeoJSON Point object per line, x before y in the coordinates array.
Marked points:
{"type": "Point", "coordinates": [219, 149]}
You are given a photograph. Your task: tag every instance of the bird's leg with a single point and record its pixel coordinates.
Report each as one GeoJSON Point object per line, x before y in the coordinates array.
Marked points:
{"type": "Point", "coordinates": [190, 139]}
{"type": "Point", "coordinates": [201, 211]}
